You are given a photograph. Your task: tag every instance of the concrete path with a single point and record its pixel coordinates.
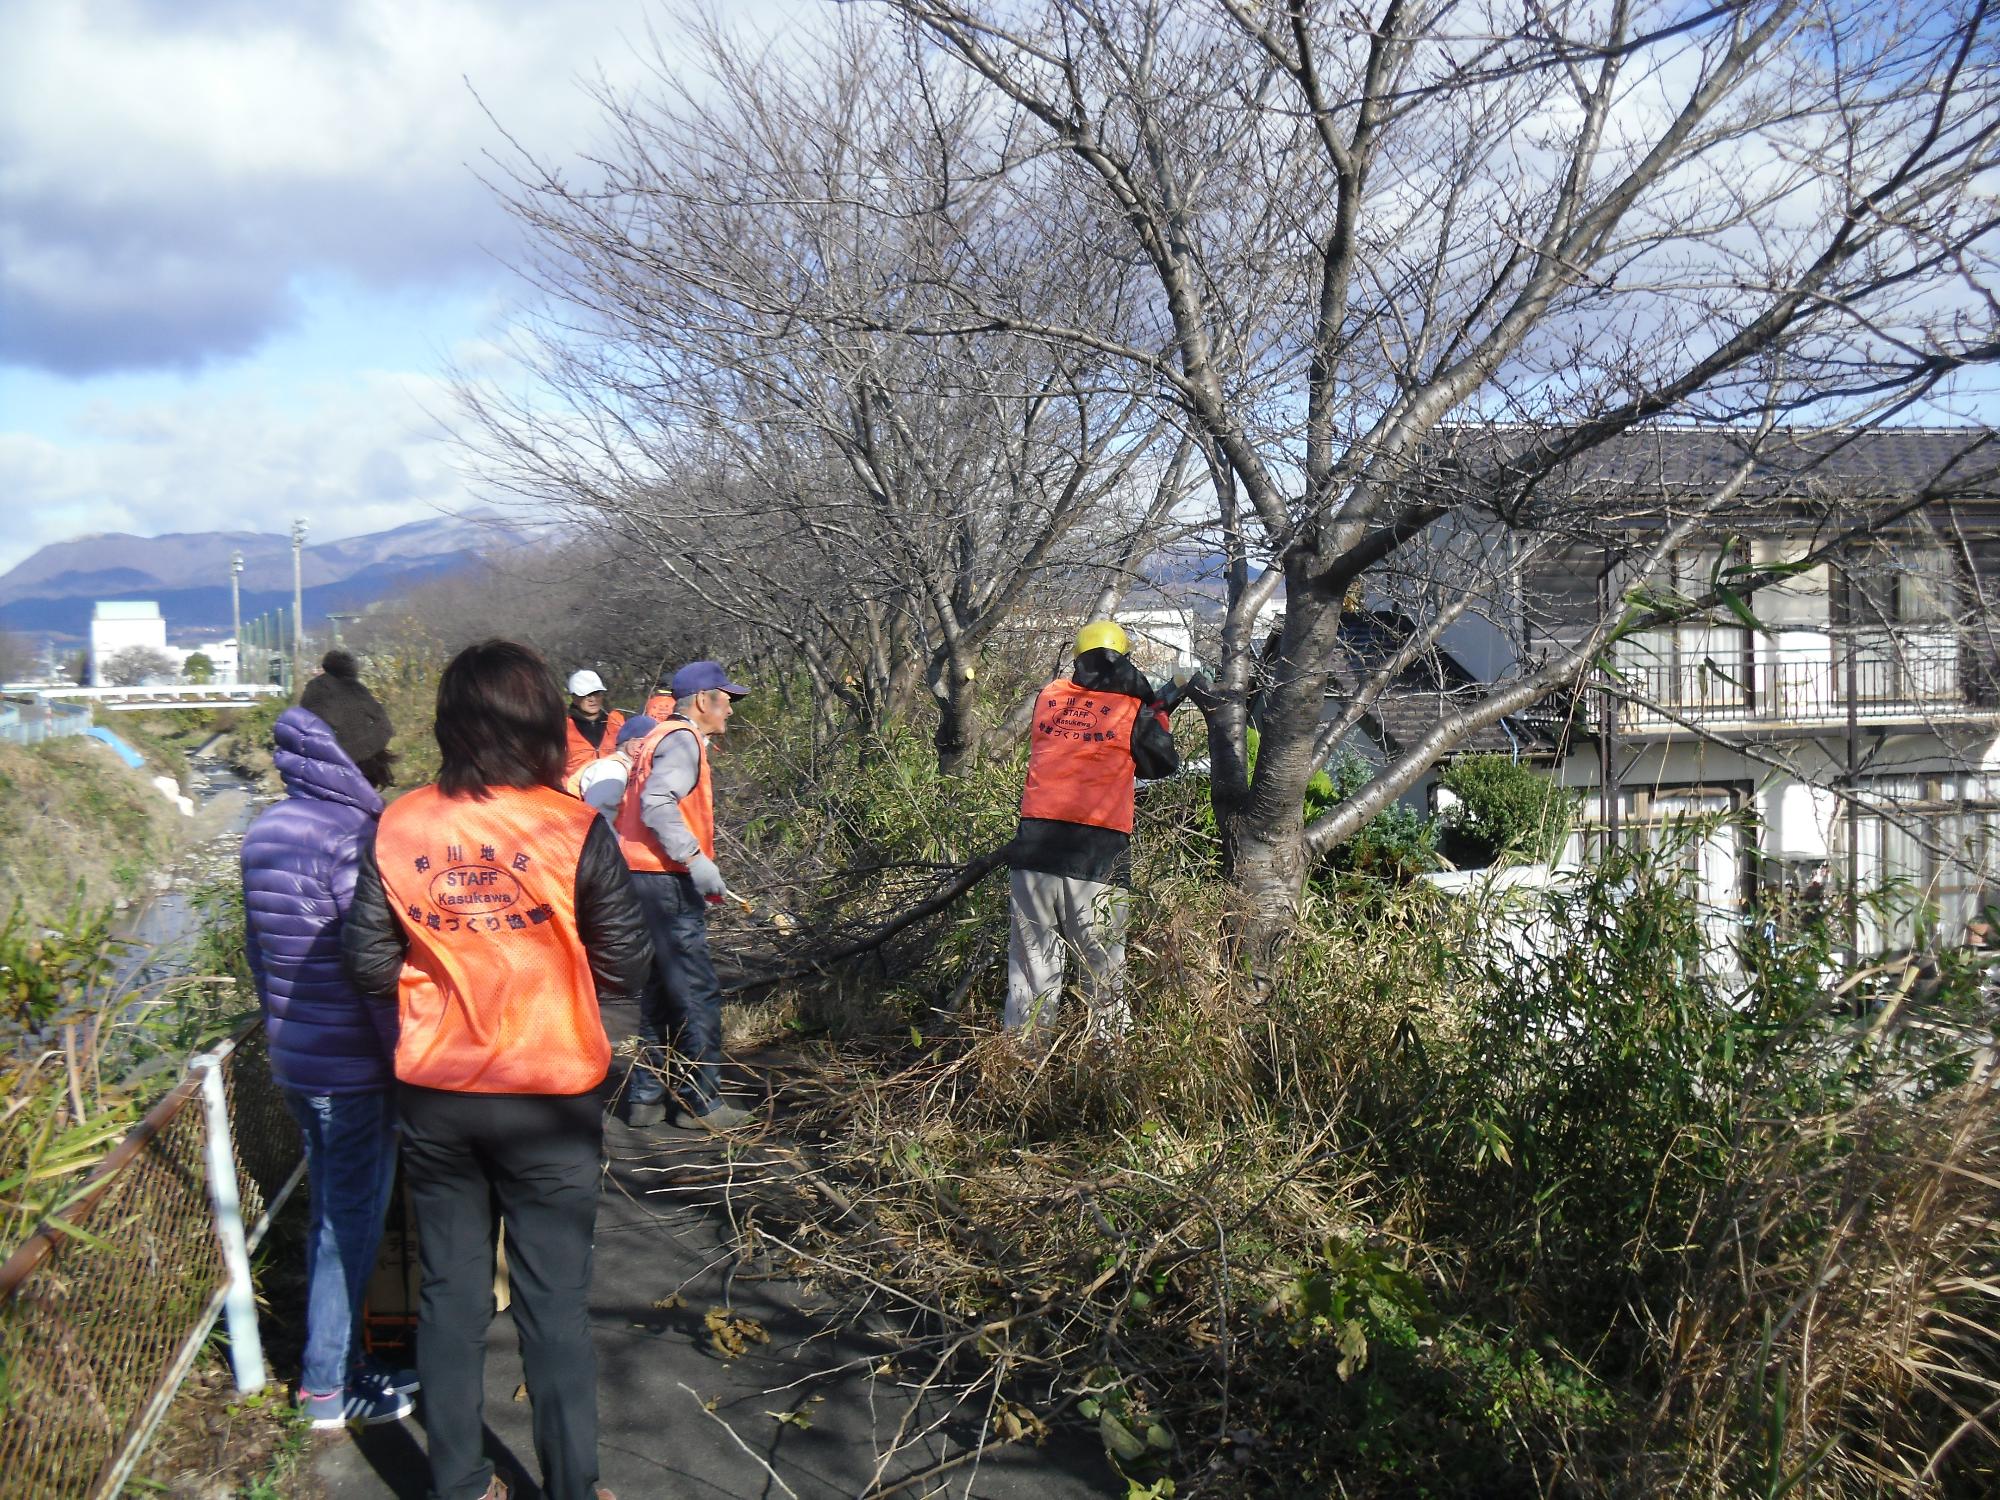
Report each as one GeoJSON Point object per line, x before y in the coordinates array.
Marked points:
{"type": "Point", "coordinates": [677, 1417]}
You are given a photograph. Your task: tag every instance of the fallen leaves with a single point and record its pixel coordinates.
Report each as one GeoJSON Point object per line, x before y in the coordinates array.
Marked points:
{"type": "Point", "coordinates": [732, 1335]}
{"type": "Point", "coordinates": [801, 1419]}
{"type": "Point", "coordinates": [1013, 1422]}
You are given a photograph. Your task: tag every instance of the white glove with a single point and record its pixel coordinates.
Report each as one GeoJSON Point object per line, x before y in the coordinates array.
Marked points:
{"type": "Point", "coordinates": [707, 879]}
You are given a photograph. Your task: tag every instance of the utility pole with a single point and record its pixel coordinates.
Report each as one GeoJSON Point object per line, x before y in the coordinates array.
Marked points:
{"type": "Point", "coordinates": [298, 602]}
{"type": "Point", "coordinates": [236, 611]}
{"type": "Point", "coordinates": [1608, 792]}
{"type": "Point", "coordinates": [1851, 617]}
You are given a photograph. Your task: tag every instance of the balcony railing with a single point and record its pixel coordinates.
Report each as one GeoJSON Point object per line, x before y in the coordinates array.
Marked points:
{"type": "Point", "coordinates": [1801, 677]}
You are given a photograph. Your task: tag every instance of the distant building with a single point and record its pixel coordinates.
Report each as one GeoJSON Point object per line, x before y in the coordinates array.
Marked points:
{"type": "Point", "coordinates": [221, 656]}
{"type": "Point", "coordinates": [120, 624]}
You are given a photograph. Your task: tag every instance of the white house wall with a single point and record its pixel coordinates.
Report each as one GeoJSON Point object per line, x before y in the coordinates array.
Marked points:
{"type": "Point", "coordinates": [1932, 853]}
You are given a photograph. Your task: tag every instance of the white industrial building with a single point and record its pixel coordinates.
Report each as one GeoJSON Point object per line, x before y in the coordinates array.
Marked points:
{"type": "Point", "coordinates": [221, 656]}
{"type": "Point", "coordinates": [119, 625]}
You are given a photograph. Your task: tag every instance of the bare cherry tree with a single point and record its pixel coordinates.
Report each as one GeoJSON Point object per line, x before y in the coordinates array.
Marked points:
{"type": "Point", "coordinates": [731, 385]}
{"type": "Point", "coordinates": [1408, 267]}
{"type": "Point", "coordinates": [136, 665]}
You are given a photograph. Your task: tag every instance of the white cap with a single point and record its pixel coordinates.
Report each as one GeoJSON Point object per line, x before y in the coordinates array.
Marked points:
{"type": "Point", "coordinates": [583, 684]}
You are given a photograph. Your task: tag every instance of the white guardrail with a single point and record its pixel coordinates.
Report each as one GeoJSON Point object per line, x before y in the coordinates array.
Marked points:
{"type": "Point", "coordinates": [173, 693]}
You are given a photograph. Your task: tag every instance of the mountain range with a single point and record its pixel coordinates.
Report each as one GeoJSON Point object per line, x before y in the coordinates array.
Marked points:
{"type": "Point", "coordinates": [50, 594]}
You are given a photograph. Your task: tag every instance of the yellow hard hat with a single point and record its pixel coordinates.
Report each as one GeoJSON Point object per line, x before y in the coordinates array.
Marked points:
{"type": "Point", "coordinates": [1102, 634]}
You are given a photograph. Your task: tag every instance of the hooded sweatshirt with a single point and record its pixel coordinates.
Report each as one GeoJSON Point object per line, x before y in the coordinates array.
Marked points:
{"type": "Point", "coordinates": [299, 862]}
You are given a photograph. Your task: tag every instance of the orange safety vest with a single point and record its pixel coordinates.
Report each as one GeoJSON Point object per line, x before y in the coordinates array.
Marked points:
{"type": "Point", "coordinates": [659, 706]}
{"type": "Point", "coordinates": [496, 994]}
{"type": "Point", "coordinates": [640, 843]}
{"type": "Point", "coordinates": [1080, 767]}
{"type": "Point", "coordinates": [579, 752]}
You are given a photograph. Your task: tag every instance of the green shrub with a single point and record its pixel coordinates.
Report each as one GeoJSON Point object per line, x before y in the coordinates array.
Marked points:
{"type": "Point", "coordinates": [1505, 808]}
{"type": "Point", "coordinates": [1396, 844]}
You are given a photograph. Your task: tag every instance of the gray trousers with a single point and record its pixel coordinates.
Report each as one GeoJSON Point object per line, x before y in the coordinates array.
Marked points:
{"type": "Point", "coordinates": [1048, 916]}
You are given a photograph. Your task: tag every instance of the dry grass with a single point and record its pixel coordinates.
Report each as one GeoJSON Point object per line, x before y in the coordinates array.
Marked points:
{"type": "Point", "coordinates": [1845, 1327]}
{"type": "Point", "coordinates": [1392, 1232]}
{"type": "Point", "coordinates": [75, 823]}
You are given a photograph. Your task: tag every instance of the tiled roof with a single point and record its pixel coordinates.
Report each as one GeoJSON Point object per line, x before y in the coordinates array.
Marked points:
{"type": "Point", "coordinates": [1432, 686]}
{"type": "Point", "coordinates": [1876, 464]}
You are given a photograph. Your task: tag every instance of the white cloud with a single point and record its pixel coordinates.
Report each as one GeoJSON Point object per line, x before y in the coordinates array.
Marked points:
{"type": "Point", "coordinates": [169, 169]}
{"type": "Point", "coordinates": [350, 458]}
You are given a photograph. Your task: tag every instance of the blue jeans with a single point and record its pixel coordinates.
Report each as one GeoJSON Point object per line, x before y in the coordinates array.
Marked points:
{"type": "Point", "coordinates": [683, 1004]}
{"type": "Point", "coordinates": [350, 1172]}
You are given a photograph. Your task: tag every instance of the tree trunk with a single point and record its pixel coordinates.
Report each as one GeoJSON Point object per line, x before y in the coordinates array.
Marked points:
{"type": "Point", "coordinates": [1267, 867]}
{"type": "Point", "coordinates": [1264, 853]}
{"type": "Point", "coordinates": [958, 729]}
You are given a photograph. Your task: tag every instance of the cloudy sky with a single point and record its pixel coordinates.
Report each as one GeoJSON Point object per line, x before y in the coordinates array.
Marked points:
{"type": "Point", "coordinates": [240, 243]}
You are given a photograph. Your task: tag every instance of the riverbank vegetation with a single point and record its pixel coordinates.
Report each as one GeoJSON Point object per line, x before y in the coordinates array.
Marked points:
{"type": "Point", "coordinates": [90, 1029]}
{"type": "Point", "coordinates": [77, 826]}
{"type": "Point", "coordinates": [89, 1037]}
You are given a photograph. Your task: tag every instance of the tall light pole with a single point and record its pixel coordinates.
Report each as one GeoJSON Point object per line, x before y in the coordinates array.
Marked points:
{"type": "Point", "coordinates": [236, 611]}
{"type": "Point", "coordinates": [298, 602]}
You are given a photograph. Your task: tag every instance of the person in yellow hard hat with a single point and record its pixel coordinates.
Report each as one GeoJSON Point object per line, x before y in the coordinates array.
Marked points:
{"type": "Point", "coordinates": [1093, 734]}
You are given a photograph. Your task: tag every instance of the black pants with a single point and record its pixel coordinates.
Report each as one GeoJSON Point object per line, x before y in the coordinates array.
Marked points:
{"type": "Point", "coordinates": [536, 1159]}
{"type": "Point", "coordinates": [682, 1005]}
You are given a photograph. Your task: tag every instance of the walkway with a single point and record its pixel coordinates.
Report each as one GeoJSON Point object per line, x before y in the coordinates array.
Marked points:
{"type": "Point", "coordinates": [677, 1417]}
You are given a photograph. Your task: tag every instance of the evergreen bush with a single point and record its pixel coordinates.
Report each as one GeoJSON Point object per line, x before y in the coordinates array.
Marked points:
{"type": "Point", "coordinates": [1505, 809]}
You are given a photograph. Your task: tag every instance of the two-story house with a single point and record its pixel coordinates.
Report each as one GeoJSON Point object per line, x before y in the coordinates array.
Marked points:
{"type": "Point", "coordinates": [1847, 709]}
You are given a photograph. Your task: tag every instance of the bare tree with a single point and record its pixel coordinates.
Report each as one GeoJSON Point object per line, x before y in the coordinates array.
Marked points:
{"type": "Point", "coordinates": [739, 397]}
{"type": "Point", "coordinates": [580, 602]}
{"type": "Point", "coordinates": [1409, 269]}
{"type": "Point", "coordinates": [135, 665]}
{"type": "Point", "coordinates": [16, 659]}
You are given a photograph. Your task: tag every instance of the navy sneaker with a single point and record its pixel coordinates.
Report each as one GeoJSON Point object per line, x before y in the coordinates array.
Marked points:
{"type": "Point", "coordinates": [375, 1374]}
{"type": "Point", "coordinates": [359, 1406]}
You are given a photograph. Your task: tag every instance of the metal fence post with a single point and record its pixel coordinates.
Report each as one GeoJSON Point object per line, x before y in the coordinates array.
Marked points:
{"type": "Point", "coordinates": [246, 1347]}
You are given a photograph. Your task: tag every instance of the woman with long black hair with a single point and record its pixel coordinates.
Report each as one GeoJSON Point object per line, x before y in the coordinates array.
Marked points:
{"type": "Point", "coordinates": [496, 912]}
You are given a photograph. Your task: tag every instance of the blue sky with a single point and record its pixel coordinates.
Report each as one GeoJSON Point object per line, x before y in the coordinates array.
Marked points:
{"type": "Point", "coordinates": [241, 244]}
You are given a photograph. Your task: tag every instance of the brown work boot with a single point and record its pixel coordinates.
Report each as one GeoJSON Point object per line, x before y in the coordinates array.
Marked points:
{"type": "Point", "coordinates": [603, 1494]}
{"type": "Point", "coordinates": [496, 1489]}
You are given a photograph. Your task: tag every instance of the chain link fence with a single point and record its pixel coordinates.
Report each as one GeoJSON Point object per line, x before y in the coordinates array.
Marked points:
{"type": "Point", "coordinates": [105, 1307]}
{"type": "Point", "coordinates": [30, 724]}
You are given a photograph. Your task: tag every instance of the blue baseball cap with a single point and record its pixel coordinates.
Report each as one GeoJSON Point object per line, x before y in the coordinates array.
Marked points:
{"type": "Point", "coordinates": [702, 677]}
{"type": "Point", "coordinates": [635, 726]}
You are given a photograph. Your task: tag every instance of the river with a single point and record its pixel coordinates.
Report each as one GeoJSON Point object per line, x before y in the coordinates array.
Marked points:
{"type": "Point", "coordinates": [161, 923]}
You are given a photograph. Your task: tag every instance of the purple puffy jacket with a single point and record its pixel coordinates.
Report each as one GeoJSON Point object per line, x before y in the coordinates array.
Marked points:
{"type": "Point", "coordinates": [299, 861]}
